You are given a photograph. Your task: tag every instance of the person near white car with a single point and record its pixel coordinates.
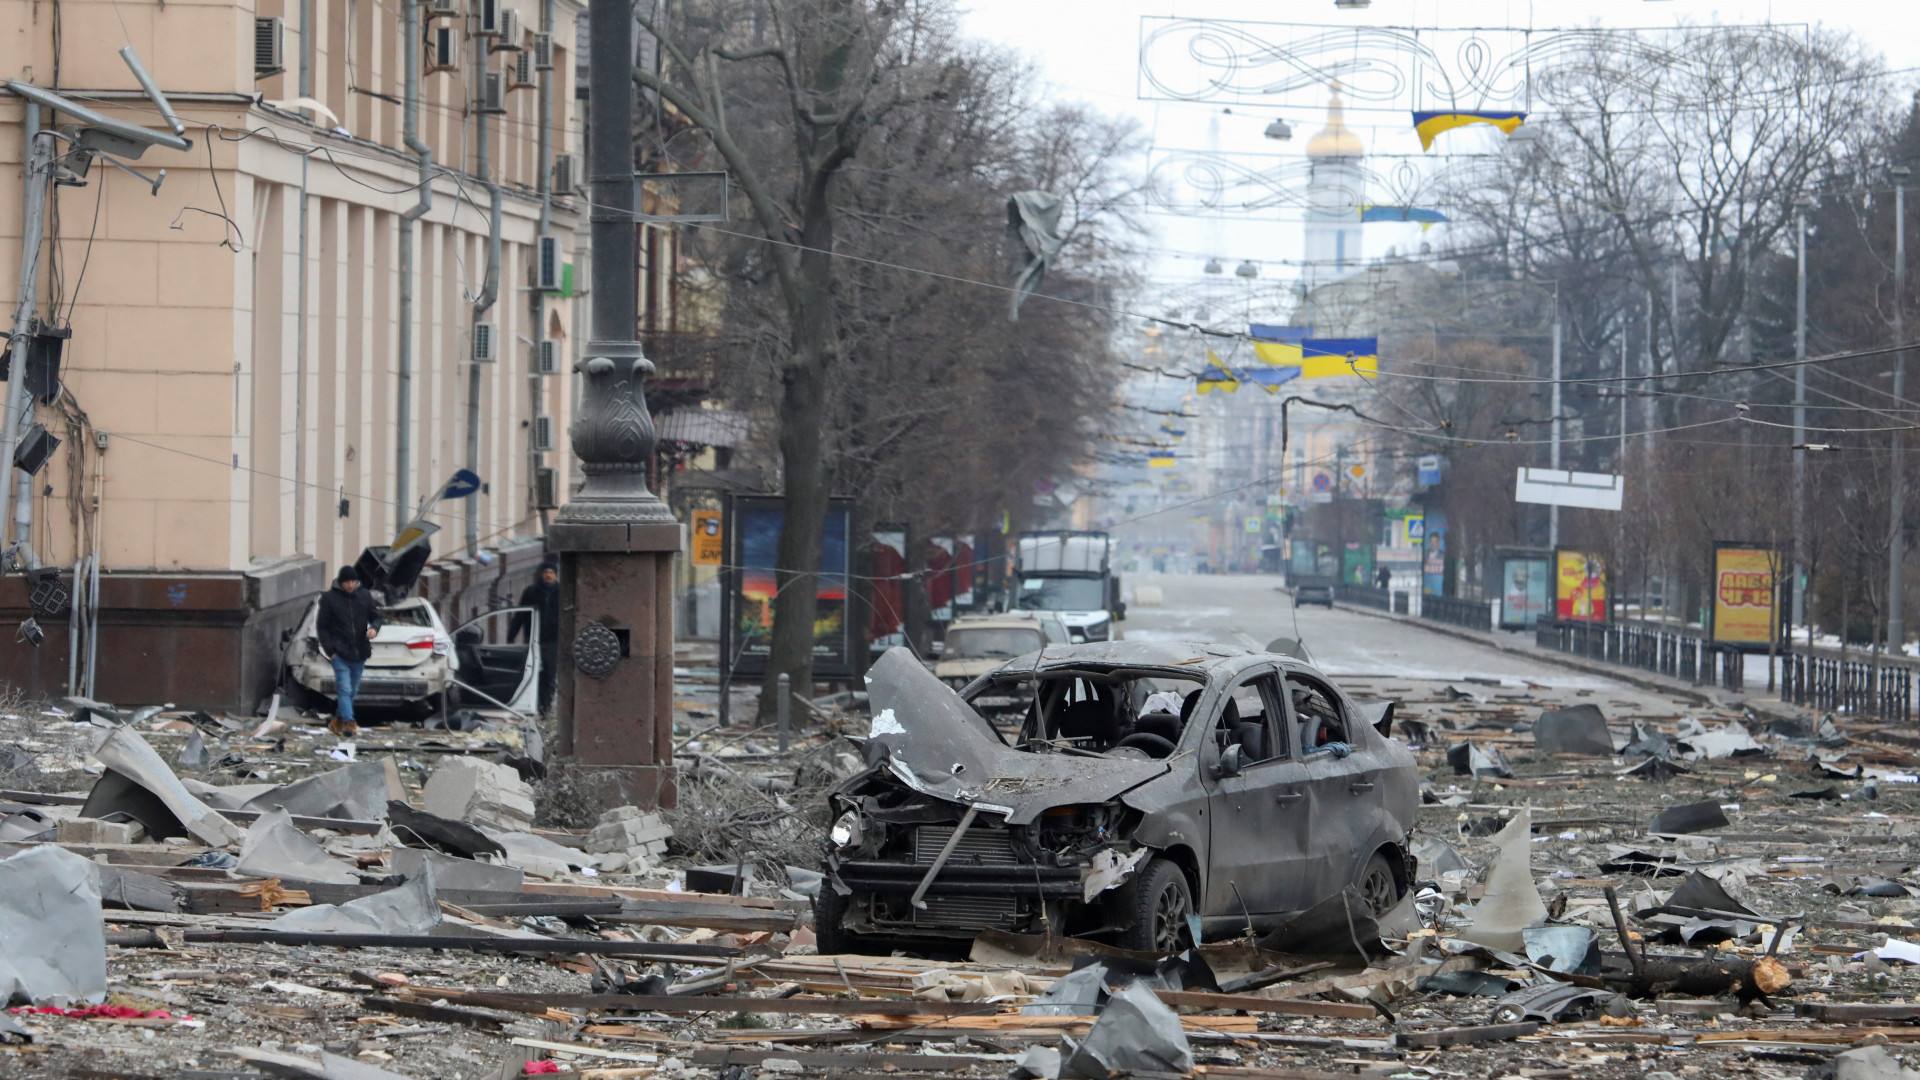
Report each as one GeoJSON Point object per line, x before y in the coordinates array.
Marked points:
{"type": "Point", "coordinates": [346, 625]}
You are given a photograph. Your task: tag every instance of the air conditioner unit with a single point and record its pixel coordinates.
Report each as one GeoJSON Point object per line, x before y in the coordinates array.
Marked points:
{"type": "Point", "coordinates": [546, 489]}
{"type": "Point", "coordinates": [563, 183]}
{"type": "Point", "coordinates": [267, 57]}
{"type": "Point", "coordinates": [546, 359]}
{"type": "Point", "coordinates": [443, 49]}
{"type": "Point", "coordinates": [542, 434]}
{"type": "Point", "coordinates": [543, 52]}
{"type": "Point", "coordinates": [524, 75]}
{"type": "Point", "coordinates": [509, 31]}
{"type": "Point", "coordinates": [546, 264]}
{"type": "Point", "coordinates": [486, 18]}
{"type": "Point", "coordinates": [493, 93]}
{"type": "Point", "coordinates": [443, 9]}
{"type": "Point", "coordinates": [483, 344]}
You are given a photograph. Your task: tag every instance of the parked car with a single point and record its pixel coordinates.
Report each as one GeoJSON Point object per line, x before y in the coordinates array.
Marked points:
{"type": "Point", "coordinates": [976, 644]}
{"type": "Point", "coordinates": [1149, 781]}
{"type": "Point", "coordinates": [419, 667]}
{"type": "Point", "coordinates": [1313, 590]}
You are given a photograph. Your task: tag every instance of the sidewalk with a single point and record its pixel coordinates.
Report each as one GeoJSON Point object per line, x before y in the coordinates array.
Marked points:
{"type": "Point", "coordinates": [1516, 643]}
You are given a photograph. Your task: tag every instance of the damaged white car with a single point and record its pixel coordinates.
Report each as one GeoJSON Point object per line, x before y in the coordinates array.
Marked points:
{"type": "Point", "coordinates": [1152, 788]}
{"type": "Point", "coordinates": [417, 666]}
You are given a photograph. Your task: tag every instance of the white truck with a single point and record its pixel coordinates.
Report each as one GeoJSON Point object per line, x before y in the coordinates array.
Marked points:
{"type": "Point", "coordinates": [1071, 573]}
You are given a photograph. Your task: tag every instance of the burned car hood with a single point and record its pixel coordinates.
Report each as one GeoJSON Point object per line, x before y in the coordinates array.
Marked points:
{"type": "Point", "coordinates": [936, 744]}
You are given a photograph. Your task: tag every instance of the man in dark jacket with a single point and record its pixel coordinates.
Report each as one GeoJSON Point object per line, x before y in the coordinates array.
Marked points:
{"type": "Point", "coordinates": [544, 597]}
{"type": "Point", "coordinates": [346, 625]}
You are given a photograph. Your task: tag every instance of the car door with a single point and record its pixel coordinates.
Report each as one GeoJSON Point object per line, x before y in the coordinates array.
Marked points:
{"type": "Point", "coordinates": [1258, 832]}
{"type": "Point", "coordinates": [493, 671]}
{"type": "Point", "coordinates": [1346, 793]}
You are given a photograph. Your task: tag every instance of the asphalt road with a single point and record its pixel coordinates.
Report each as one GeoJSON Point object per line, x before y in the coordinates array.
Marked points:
{"type": "Point", "coordinates": [1250, 610]}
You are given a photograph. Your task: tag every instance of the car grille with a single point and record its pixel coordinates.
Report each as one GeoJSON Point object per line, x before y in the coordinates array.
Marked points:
{"type": "Point", "coordinates": [979, 847]}
{"type": "Point", "coordinates": [969, 911]}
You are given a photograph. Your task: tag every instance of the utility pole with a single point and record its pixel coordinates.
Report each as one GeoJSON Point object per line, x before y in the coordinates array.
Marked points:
{"type": "Point", "coordinates": [36, 171]}
{"type": "Point", "coordinates": [1553, 451]}
{"type": "Point", "coordinates": [616, 539]}
{"type": "Point", "coordinates": [1800, 414]}
{"type": "Point", "coordinates": [490, 290]}
{"type": "Point", "coordinates": [1896, 532]}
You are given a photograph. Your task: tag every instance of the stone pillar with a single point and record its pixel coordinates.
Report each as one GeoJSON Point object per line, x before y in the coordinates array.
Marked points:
{"type": "Point", "coordinates": [616, 539]}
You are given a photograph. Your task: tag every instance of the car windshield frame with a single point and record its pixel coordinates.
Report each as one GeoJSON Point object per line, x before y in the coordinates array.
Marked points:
{"type": "Point", "coordinates": [1058, 593]}
{"type": "Point", "coordinates": [1031, 639]}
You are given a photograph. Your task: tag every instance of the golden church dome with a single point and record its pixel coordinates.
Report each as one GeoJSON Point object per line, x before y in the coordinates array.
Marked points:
{"type": "Point", "coordinates": [1336, 140]}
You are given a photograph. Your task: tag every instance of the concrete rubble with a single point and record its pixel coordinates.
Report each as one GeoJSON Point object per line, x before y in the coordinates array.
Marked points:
{"type": "Point", "coordinates": [287, 910]}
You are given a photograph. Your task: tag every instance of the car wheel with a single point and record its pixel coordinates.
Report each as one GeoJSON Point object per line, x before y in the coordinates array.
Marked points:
{"type": "Point", "coordinates": [830, 938]}
{"type": "Point", "coordinates": [1157, 909]}
{"type": "Point", "coordinates": [1379, 889]}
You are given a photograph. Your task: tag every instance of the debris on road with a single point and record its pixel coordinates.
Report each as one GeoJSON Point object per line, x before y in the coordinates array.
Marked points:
{"type": "Point", "coordinates": [345, 927]}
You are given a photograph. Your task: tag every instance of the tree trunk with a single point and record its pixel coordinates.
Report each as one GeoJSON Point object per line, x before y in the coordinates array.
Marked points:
{"type": "Point", "coordinates": [807, 483]}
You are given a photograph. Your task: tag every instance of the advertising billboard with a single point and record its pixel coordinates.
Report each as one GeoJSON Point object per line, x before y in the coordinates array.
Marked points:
{"type": "Point", "coordinates": [707, 549]}
{"type": "Point", "coordinates": [754, 536]}
{"type": "Point", "coordinates": [1579, 587]}
{"type": "Point", "coordinates": [1524, 582]}
{"type": "Point", "coordinates": [887, 563]}
{"type": "Point", "coordinates": [1746, 601]}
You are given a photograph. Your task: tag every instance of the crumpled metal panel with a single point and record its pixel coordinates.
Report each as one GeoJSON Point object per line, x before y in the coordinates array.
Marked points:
{"type": "Point", "coordinates": [936, 744]}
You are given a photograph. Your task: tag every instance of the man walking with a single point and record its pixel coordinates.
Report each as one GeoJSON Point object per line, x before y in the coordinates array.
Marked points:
{"type": "Point", "coordinates": [544, 597]}
{"type": "Point", "coordinates": [346, 625]}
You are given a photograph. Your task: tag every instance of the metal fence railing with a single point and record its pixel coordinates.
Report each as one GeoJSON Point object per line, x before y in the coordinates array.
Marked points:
{"type": "Point", "coordinates": [1858, 683]}
{"type": "Point", "coordinates": [1369, 596]}
{"type": "Point", "coordinates": [1664, 652]}
{"type": "Point", "coordinates": [1470, 614]}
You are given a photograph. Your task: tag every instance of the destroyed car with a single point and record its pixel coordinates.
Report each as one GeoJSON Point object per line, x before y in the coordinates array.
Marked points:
{"type": "Point", "coordinates": [418, 666]}
{"type": "Point", "coordinates": [1151, 783]}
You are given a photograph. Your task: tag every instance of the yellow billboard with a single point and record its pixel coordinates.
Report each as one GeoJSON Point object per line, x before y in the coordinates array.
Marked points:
{"type": "Point", "coordinates": [706, 538]}
{"type": "Point", "coordinates": [1579, 587]}
{"type": "Point", "coordinates": [1745, 599]}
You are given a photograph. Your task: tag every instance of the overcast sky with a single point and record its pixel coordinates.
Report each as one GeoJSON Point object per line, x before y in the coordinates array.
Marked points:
{"type": "Point", "coordinates": [1088, 50]}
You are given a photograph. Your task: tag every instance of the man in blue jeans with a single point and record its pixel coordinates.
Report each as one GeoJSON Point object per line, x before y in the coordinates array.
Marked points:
{"type": "Point", "coordinates": [346, 625]}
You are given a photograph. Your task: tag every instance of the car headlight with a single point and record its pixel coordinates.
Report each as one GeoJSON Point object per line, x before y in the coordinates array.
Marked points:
{"type": "Point", "coordinates": [846, 830]}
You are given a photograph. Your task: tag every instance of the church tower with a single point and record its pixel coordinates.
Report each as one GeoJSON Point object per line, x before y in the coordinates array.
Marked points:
{"type": "Point", "coordinates": [1334, 192]}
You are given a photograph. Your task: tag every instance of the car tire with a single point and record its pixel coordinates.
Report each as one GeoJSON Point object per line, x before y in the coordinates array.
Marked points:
{"type": "Point", "coordinates": [830, 938]}
{"type": "Point", "coordinates": [1378, 887]}
{"type": "Point", "coordinates": [1155, 910]}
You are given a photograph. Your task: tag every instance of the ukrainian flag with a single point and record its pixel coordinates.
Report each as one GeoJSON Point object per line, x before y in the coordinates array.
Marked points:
{"type": "Point", "coordinates": [1431, 124]}
{"type": "Point", "coordinates": [1427, 218]}
{"type": "Point", "coordinates": [1177, 433]}
{"type": "Point", "coordinates": [1271, 379]}
{"type": "Point", "coordinates": [1216, 377]}
{"type": "Point", "coordinates": [1278, 345]}
{"type": "Point", "coordinates": [1160, 463]}
{"type": "Point", "coordinates": [1323, 358]}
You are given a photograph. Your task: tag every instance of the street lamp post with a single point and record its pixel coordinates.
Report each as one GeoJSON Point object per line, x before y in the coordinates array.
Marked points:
{"type": "Point", "coordinates": [1896, 553]}
{"type": "Point", "coordinates": [616, 539]}
{"type": "Point", "coordinates": [1800, 209]}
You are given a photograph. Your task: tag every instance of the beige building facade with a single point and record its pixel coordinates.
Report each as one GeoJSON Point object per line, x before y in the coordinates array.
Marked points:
{"type": "Point", "coordinates": [184, 303]}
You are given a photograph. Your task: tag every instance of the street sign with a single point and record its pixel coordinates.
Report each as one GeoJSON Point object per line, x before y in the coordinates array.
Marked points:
{"type": "Point", "coordinates": [1416, 528]}
{"type": "Point", "coordinates": [1557, 487]}
{"type": "Point", "coordinates": [416, 532]}
{"type": "Point", "coordinates": [1429, 467]}
{"type": "Point", "coordinates": [1322, 482]}
{"type": "Point", "coordinates": [465, 482]}
{"type": "Point", "coordinates": [1253, 524]}
{"type": "Point", "coordinates": [706, 537]}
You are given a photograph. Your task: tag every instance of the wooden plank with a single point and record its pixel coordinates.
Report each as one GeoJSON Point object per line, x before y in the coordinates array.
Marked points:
{"type": "Point", "coordinates": [1842, 1012]}
{"type": "Point", "coordinates": [422, 1010]}
{"type": "Point", "coordinates": [798, 1006]}
{"type": "Point", "coordinates": [828, 1059]}
{"type": "Point", "coordinates": [663, 951]}
{"type": "Point", "coordinates": [1463, 1036]}
{"type": "Point", "coordinates": [1252, 1003]}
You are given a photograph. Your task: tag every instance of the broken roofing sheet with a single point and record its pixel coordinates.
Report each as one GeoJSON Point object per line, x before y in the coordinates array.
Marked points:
{"type": "Point", "coordinates": [936, 744]}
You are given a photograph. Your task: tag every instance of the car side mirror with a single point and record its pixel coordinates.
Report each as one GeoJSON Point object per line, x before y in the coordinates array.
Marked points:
{"type": "Point", "coordinates": [1232, 760]}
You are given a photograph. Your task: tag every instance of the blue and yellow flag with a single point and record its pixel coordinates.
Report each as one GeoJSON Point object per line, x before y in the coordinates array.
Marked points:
{"type": "Point", "coordinates": [1178, 433]}
{"type": "Point", "coordinates": [1165, 462]}
{"type": "Point", "coordinates": [1427, 218]}
{"type": "Point", "coordinates": [1430, 124]}
{"type": "Point", "coordinates": [1278, 345]}
{"type": "Point", "coordinates": [1323, 358]}
{"type": "Point", "coordinates": [1271, 379]}
{"type": "Point", "coordinates": [1216, 377]}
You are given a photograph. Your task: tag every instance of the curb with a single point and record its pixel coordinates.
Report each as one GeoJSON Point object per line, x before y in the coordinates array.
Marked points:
{"type": "Point", "coordinates": [1630, 676]}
